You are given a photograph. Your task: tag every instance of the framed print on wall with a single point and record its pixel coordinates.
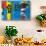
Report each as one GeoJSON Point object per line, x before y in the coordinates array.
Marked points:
{"type": "Point", "coordinates": [16, 10]}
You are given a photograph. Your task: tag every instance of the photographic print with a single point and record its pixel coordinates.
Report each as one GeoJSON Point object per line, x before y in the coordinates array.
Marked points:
{"type": "Point", "coordinates": [16, 10]}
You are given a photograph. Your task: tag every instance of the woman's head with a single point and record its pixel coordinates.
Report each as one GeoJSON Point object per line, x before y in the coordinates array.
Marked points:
{"type": "Point", "coordinates": [43, 8]}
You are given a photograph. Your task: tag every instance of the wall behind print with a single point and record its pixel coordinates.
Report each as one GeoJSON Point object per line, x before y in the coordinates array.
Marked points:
{"type": "Point", "coordinates": [27, 28]}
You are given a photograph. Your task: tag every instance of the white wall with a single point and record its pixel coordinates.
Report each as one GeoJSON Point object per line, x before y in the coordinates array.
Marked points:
{"type": "Point", "coordinates": [27, 28]}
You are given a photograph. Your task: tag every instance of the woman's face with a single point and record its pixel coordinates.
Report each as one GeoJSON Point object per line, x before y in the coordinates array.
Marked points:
{"type": "Point", "coordinates": [44, 10]}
